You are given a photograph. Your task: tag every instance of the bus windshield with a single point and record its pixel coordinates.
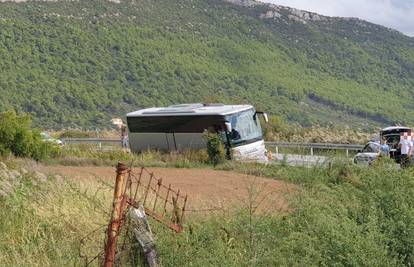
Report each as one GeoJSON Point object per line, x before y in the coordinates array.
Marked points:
{"type": "Point", "coordinates": [245, 127]}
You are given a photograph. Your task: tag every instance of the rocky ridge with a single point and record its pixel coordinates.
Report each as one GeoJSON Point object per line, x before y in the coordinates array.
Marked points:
{"type": "Point", "coordinates": [277, 11]}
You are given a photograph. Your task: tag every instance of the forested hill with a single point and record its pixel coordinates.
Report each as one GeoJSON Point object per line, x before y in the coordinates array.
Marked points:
{"type": "Point", "coordinates": [80, 63]}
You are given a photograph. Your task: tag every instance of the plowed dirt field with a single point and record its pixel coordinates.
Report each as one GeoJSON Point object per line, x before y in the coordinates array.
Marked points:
{"type": "Point", "coordinates": [206, 188]}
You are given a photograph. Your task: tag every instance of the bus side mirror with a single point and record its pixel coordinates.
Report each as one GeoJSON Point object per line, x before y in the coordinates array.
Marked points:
{"type": "Point", "coordinates": [228, 126]}
{"type": "Point", "coordinates": [266, 118]}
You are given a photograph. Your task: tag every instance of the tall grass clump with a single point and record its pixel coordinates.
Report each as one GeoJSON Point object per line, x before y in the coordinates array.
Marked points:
{"type": "Point", "coordinates": [83, 155]}
{"type": "Point", "coordinates": [44, 218]}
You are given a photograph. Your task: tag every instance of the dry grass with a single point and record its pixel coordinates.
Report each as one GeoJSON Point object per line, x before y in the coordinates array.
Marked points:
{"type": "Point", "coordinates": [317, 134]}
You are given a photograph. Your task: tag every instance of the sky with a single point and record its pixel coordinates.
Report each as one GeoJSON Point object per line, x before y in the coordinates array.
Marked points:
{"type": "Point", "coordinates": [396, 14]}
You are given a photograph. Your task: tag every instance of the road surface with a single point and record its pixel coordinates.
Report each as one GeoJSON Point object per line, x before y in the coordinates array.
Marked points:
{"type": "Point", "coordinates": [299, 160]}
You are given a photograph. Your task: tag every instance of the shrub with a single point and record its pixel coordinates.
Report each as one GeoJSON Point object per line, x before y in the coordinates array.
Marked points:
{"type": "Point", "coordinates": [215, 148]}
{"type": "Point", "coordinates": [73, 133]}
{"type": "Point", "coordinates": [17, 137]}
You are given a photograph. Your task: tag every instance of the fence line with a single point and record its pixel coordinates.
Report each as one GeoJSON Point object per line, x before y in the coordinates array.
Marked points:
{"type": "Point", "coordinates": [312, 146]}
{"type": "Point", "coordinates": [112, 141]}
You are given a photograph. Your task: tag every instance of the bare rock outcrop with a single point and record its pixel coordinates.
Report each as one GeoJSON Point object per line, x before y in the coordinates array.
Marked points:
{"type": "Point", "coordinates": [276, 11]}
{"type": "Point", "coordinates": [247, 3]}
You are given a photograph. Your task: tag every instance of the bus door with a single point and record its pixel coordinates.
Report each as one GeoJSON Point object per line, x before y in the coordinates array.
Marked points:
{"type": "Point", "coordinates": [170, 138]}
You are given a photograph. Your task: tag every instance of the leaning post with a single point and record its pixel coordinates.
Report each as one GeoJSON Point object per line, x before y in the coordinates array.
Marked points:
{"type": "Point", "coordinates": [116, 216]}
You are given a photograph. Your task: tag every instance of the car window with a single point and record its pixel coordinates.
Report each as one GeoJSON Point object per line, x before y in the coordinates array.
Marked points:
{"type": "Point", "coordinates": [371, 148]}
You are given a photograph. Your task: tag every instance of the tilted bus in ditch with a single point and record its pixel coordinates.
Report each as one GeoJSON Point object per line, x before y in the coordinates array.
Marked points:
{"type": "Point", "coordinates": [180, 127]}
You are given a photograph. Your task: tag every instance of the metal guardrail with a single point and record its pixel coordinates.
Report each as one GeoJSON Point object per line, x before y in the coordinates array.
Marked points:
{"type": "Point", "coordinates": [276, 145]}
{"type": "Point", "coordinates": [96, 141]}
{"type": "Point", "coordinates": [312, 146]}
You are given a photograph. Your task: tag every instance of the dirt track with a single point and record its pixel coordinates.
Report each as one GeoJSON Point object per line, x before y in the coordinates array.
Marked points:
{"type": "Point", "coordinates": [206, 188]}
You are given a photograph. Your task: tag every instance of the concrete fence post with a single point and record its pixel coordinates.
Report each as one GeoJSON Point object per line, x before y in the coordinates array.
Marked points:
{"type": "Point", "coordinates": [143, 234]}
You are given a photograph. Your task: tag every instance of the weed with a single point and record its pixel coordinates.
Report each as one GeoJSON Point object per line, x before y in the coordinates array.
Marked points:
{"type": "Point", "coordinates": [342, 215]}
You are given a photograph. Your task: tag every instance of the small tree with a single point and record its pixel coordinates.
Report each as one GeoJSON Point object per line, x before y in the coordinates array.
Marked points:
{"type": "Point", "coordinates": [215, 148]}
{"type": "Point", "coordinates": [18, 138]}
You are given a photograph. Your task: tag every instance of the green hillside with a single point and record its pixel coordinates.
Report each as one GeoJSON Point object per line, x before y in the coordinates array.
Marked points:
{"type": "Point", "coordinates": [73, 63]}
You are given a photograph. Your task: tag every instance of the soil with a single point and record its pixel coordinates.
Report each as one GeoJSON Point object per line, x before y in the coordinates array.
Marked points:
{"type": "Point", "coordinates": [206, 188]}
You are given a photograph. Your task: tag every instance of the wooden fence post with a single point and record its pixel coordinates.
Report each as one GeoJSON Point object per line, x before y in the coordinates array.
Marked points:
{"type": "Point", "coordinates": [143, 234]}
{"type": "Point", "coordinates": [116, 217]}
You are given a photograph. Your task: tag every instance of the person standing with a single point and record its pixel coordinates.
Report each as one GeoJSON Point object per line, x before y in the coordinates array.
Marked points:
{"type": "Point", "coordinates": [384, 148]}
{"type": "Point", "coordinates": [410, 151]}
{"type": "Point", "coordinates": [406, 149]}
{"type": "Point", "coordinates": [124, 137]}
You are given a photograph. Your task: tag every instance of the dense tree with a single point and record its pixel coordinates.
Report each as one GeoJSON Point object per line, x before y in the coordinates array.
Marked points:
{"type": "Point", "coordinates": [80, 63]}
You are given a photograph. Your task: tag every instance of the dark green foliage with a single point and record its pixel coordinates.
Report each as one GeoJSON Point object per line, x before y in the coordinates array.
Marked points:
{"type": "Point", "coordinates": [18, 138]}
{"type": "Point", "coordinates": [215, 148]}
{"type": "Point", "coordinates": [79, 63]}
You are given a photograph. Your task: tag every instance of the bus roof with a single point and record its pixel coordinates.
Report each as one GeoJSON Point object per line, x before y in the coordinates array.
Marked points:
{"type": "Point", "coordinates": [190, 110]}
{"type": "Point", "coordinates": [395, 128]}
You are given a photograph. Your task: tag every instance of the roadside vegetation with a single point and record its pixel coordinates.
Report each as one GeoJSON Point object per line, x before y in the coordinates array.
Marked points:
{"type": "Point", "coordinates": [215, 149]}
{"type": "Point", "coordinates": [19, 139]}
{"type": "Point", "coordinates": [278, 129]}
{"type": "Point", "coordinates": [340, 215]}
{"type": "Point", "coordinates": [84, 155]}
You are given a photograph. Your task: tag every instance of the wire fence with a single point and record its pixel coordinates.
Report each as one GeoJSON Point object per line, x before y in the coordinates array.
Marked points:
{"type": "Point", "coordinates": [134, 188]}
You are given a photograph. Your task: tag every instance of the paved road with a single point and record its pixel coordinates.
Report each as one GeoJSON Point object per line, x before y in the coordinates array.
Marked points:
{"type": "Point", "coordinates": [299, 160]}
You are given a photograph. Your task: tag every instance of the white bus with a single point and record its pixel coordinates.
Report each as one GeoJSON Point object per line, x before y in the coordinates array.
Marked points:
{"type": "Point", "coordinates": [181, 127]}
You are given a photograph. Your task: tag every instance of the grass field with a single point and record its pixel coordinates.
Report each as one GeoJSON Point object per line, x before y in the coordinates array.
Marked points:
{"type": "Point", "coordinates": [342, 215]}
